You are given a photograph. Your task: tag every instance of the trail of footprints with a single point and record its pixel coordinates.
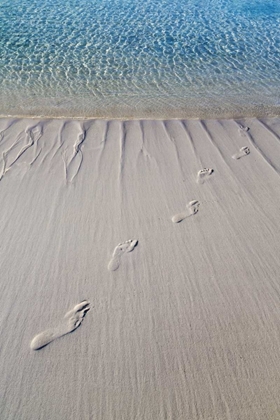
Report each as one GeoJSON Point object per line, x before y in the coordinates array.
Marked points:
{"type": "Point", "coordinates": [74, 318]}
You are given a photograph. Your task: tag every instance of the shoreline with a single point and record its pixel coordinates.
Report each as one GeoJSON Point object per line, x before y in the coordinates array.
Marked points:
{"type": "Point", "coordinates": [232, 116]}
{"type": "Point", "coordinates": [218, 109]}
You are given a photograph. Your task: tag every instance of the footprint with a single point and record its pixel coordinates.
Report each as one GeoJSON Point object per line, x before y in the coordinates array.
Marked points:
{"type": "Point", "coordinates": [73, 320]}
{"type": "Point", "coordinates": [242, 152]}
{"type": "Point", "coordinates": [204, 174]}
{"type": "Point", "coordinates": [192, 208]}
{"type": "Point", "coordinates": [243, 128]}
{"type": "Point", "coordinates": [121, 249]}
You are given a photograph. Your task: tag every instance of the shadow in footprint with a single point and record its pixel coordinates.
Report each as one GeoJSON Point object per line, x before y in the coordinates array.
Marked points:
{"type": "Point", "coordinates": [192, 208]}
{"type": "Point", "coordinates": [244, 151]}
{"type": "Point", "coordinates": [72, 320]}
{"type": "Point", "coordinates": [119, 251]}
{"type": "Point", "coordinates": [203, 175]}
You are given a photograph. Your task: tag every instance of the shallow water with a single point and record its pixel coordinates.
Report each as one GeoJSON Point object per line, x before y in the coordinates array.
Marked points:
{"type": "Point", "coordinates": [131, 58]}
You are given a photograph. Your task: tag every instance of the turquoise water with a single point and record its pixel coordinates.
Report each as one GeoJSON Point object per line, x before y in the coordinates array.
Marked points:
{"type": "Point", "coordinates": [145, 58]}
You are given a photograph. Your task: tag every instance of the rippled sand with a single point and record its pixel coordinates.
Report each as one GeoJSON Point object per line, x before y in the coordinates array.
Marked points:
{"type": "Point", "coordinates": [168, 231]}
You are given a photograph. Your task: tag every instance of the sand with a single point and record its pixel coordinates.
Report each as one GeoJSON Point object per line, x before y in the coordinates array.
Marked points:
{"type": "Point", "coordinates": [140, 269]}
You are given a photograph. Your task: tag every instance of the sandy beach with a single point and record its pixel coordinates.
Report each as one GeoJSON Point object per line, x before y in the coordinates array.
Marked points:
{"type": "Point", "coordinates": [140, 269]}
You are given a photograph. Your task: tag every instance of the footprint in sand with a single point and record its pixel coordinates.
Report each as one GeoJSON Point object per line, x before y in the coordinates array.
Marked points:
{"type": "Point", "coordinates": [121, 249]}
{"type": "Point", "coordinates": [243, 128]}
{"type": "Point", "coordinates": [244, 151]}
{"type": "Point", "coordinates": [192, 208]}
{"type": "Point", "coordinates": [72, 320]}
{"type": "Point", "coordinates": [203, 175]}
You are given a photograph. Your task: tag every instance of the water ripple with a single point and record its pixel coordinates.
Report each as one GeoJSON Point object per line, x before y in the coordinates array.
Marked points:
{"type": "Point", "coordinates": [146, 58]}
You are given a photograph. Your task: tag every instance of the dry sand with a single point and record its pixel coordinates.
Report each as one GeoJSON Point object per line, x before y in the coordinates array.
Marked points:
{"type": "Point", "coordinates": [183, 324]}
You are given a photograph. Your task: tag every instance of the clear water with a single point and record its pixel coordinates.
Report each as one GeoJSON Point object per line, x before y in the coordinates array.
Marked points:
{"type": "Point", "coordinates": [139, 58]}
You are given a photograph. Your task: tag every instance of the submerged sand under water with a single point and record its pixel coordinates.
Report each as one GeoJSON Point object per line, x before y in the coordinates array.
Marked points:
{"type": "Point", "coordinates": [169, 230]}
{"type": "Point", "coordinates": [140, 58]}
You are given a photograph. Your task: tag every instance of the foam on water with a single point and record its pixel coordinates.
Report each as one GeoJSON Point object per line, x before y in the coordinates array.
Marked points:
{"type": "Point", "coordinates": [139, 58]}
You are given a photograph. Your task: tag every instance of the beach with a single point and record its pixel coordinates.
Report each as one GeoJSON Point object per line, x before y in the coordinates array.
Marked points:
{"type": "Point", "coordinates": [140, 269]}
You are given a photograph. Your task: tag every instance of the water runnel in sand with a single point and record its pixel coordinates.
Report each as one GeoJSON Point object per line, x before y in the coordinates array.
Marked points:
{"type": "Point", "coordinates": [192, 208]}
{"type": "Point", "coordinates": [121, 248]}
{"type": "Point", "coordinates": [72, 320]}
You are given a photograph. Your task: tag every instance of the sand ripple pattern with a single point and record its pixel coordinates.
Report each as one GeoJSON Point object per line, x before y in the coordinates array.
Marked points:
{"type": "Point", "coordinates": [137, 58]}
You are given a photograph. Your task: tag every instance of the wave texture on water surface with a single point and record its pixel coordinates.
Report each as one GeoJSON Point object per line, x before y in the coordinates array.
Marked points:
{"type": "Point", "coordinates": [139, 58]}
